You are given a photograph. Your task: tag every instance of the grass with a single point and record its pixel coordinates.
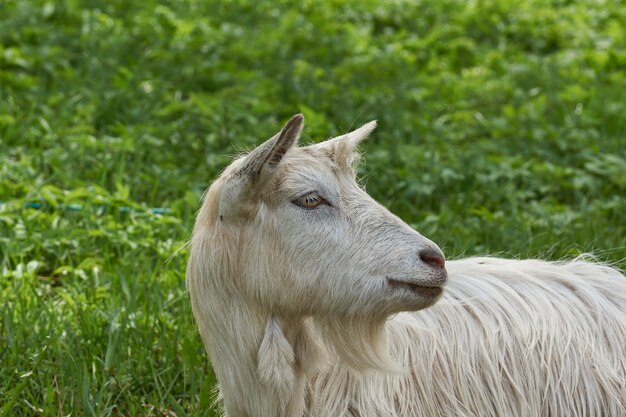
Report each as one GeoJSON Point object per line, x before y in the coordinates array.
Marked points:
{"type": "Point", "coordinates": [502, 129]}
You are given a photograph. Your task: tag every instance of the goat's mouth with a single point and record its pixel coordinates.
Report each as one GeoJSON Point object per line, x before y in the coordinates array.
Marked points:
{"type": "Point", "coordinates": [421, 290]}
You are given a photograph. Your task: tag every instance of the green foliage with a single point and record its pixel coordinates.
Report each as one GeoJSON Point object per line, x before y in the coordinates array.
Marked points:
{"type": "Point", "coordinates": [502, 129]}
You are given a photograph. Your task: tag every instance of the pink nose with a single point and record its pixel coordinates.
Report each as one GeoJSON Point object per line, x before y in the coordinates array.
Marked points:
{"type": "Point", "coordinates": [432, 257]}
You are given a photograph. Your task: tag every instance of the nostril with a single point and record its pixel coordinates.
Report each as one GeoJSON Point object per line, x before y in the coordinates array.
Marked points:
{"type": "Point", "coordinates": [432, 257]}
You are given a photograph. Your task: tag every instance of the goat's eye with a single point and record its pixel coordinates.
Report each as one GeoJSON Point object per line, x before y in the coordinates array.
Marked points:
{"type": "Point", "coordinates": [310, 201]}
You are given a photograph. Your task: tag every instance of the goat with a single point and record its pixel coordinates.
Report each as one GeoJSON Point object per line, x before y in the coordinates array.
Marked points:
{"type": "Point", "coordinates": [314, 300]}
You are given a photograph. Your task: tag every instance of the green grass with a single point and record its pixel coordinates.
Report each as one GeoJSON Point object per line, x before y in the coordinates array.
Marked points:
{"type": "Point", "coordinates": [502, 129]}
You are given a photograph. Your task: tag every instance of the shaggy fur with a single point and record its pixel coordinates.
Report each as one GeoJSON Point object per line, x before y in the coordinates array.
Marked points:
{"type": "Point", "coordinates": [302, 315]}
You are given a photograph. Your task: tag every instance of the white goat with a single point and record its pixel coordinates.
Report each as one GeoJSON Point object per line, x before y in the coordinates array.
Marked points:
{"type": "Point", "coordinates": [301, 285]}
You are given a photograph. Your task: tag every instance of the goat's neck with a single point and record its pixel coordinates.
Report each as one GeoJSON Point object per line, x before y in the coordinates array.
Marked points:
{"type": "Point", "coordinates": [235, 353]}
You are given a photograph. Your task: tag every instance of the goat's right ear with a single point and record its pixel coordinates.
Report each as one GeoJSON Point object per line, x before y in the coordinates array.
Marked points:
{"type": "Point", "coordinates": [257, 169]}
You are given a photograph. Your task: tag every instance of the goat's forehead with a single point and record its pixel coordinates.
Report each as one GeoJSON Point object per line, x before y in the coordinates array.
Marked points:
{"type": "Point", "coordinates": [309, 165]}
{"type": "Point", "coordinates": [312, 157]}
{"type": "Point", "coordinates": [303, 167]}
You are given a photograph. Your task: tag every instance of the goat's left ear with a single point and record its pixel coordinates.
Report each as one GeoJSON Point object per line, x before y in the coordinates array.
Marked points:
{"type": "Point", "coordinates": [242, 186]}
{"type": "Point", "coordinates": [265, 158]}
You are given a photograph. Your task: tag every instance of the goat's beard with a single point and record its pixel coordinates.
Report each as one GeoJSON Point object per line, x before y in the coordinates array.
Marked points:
{"type": "Point", "coordinates": [360, 343]}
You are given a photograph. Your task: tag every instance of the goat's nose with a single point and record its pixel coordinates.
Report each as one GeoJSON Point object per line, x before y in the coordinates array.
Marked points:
{"type": "Point", "coordinates": [432, 257]}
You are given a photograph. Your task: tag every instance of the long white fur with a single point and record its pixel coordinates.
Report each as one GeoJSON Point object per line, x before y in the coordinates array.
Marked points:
{"type": "Point", "coordinates": [292, 330]}
{"type": "Point", "coordinates": [509, 338]}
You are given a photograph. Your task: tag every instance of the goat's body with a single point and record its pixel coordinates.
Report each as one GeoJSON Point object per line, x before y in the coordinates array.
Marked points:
{"type": "Point", "coordinates": [292, 262]}
{"type": "Point", "coordinates": [509, 338]}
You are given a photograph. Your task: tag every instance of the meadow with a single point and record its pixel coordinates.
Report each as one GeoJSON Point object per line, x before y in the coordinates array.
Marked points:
{"type": "Point", "coordinates": [502, 130]}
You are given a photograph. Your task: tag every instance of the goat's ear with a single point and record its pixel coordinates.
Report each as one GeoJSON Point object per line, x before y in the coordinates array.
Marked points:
{"type": "Point", "coordinates": [343, 148]}
{"type": "Point", "coordinates": [265, 158]}
{"type": "Point", "coordinates": [255, 170]}
{"type": "Point", "coordinates": [357, 136]}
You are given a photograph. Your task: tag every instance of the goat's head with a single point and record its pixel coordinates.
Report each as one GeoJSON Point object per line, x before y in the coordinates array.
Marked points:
{"type": "Point", "coordinates": [300, 237]}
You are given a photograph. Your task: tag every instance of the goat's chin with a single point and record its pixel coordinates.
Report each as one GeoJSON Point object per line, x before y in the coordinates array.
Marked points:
{"type": "Point", "coordinates": [408, 296]}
